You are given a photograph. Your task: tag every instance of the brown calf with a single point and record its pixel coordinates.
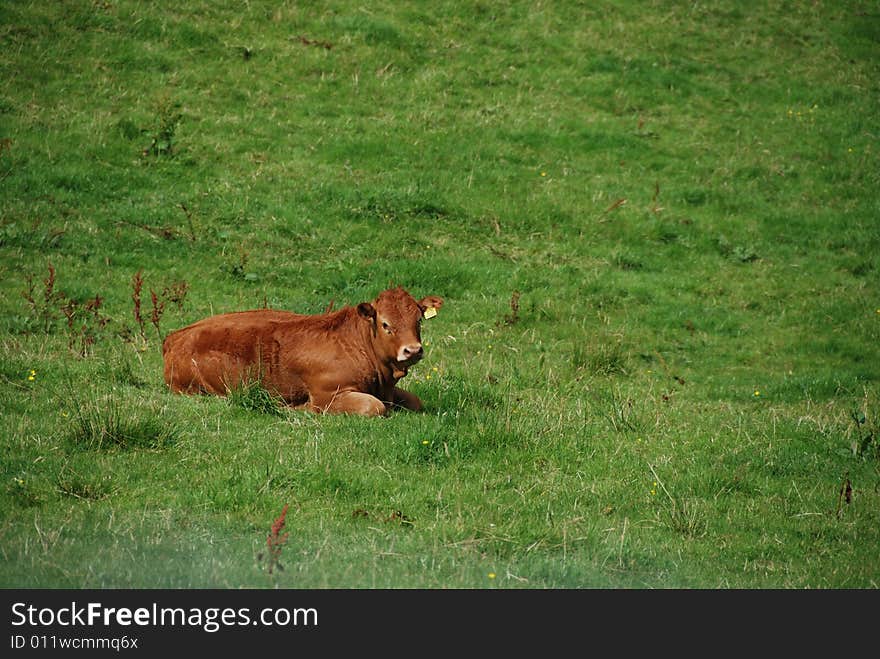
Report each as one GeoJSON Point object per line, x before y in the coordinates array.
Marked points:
{"type": "Point", "coordinates": [343, 361]}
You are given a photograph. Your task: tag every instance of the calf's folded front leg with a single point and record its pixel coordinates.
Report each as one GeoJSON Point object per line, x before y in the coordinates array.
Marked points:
{"type": "Point", "coordinates": [407, 400]}
{"type": "Point", "coordinates": [348, 402]}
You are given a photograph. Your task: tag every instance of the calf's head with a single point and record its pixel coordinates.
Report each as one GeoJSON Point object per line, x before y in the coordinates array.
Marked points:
{"type": "Point", "coordinates": [396, 318]}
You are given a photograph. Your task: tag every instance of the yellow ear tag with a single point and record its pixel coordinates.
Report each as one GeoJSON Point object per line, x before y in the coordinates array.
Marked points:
{"type": "Point", "coordinates": [430, 312]}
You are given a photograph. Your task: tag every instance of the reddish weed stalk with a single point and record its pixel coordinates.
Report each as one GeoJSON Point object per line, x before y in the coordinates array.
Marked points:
{"type": "Point", "coordinates": [43, 311]}
{"type": "Point", "coordinates": [84, 320]}
{"type": "Point", "coordinates": [275, 541]}
{"type": "Point", "coordinates": [174, 293]}
{"type": "Point", "coordinates": [137, 283]}
{"type": "Point", "coordinates": [84, 323]}
{"type": "Point", "coordinates": [49, 285]}
{"type": "Point", "coordinates": [156, 313]}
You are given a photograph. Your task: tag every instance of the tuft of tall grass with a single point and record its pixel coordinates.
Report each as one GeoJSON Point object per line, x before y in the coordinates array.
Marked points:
{"type": "Point", "coordinates": [601, 357]}
{"type": "Point", "coordinates": [252, 396]}
{"type": "Point", "coordinates": [103, 423]}
{"type": "Point", "coordinates": [618, 409]}
{"type": "Point", "coordinates": [682, 515]}
{"type": "Point", "coordinates": [92, 487]}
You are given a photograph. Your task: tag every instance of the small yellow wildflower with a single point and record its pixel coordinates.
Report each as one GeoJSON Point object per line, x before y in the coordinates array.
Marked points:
{"type": "Point", "coordinates": [491, 575]}
{"type": "Point", "coordinates": [757, 393]}
{"type": "Point", "coordinates": [425, 442]}
{"type": "Point", "coordinates": [435, 369]}
{"type": "Point", "coordinates": [543, 173]}
{"type": "Point", "coordinates": [32, 375]}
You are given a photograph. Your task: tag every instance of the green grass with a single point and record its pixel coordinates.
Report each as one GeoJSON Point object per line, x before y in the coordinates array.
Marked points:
{"type": "Point", "coordinates": [655, 226]}
{"type": "Point", "coordinates": [253, 397]}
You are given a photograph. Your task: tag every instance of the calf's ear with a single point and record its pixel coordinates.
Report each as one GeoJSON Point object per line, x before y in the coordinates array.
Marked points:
{"type": "Point", "coordinates": [366, 310]}
{"type": "Point", "coordinates": [431, 301]}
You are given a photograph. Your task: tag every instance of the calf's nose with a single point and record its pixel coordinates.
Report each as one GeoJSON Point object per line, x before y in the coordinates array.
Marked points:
{"type": "Point", "coordinates": [412, 350]}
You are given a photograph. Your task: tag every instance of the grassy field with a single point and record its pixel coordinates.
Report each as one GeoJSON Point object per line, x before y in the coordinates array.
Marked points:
{"type": "Point", "coordinates": [656, 227]}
